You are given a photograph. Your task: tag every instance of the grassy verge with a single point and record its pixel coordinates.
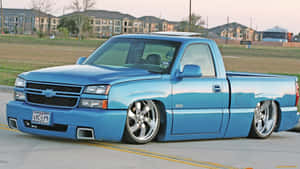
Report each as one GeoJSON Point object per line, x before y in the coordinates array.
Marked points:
{"type": "Point", "coordinates": [46, 41]}
{"type": "Point", "coordinates": [262, 51]}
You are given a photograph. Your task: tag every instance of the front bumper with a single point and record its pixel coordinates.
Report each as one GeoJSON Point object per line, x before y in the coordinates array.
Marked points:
{"type": "Point", "coordinates": [107, 124]}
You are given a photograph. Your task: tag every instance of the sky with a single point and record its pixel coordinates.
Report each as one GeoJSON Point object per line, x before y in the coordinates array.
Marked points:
{"type": "Point", "coordinates": [264, 14]}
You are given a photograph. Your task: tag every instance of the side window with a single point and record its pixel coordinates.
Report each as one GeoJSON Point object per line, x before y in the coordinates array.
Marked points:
{"type": "Point", "coordinates": [199, 54]}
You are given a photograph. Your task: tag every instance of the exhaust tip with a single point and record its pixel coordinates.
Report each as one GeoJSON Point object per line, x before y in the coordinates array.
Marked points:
{"type": "Point", "coordinates": [12, 123]}
{"type": "Point", "coordinates": [85, 134]}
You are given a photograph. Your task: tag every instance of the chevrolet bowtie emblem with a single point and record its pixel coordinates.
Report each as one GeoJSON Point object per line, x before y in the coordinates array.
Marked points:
{"type": "Point", "coordinates": [49, 93]}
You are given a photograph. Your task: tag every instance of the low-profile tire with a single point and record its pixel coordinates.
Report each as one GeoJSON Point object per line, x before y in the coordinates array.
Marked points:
{"type": "Point", "coordinates": [142, 123]}
{"type": "Point", "coordinates": [264, 120]}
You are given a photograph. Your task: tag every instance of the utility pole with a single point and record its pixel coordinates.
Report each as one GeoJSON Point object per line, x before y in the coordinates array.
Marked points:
{"type": "Point", "coordinates": [190, 16]}
{"type": "Point", "coordinates": [227, 31]}
{"type": "Point", "coordinates": [207, 26]}
{"type": "Point", "coordinates": [2, 27]}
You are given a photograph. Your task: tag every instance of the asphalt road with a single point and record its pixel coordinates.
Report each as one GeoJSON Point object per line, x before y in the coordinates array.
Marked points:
{"type": "Point", "coordinates": [23, 151]}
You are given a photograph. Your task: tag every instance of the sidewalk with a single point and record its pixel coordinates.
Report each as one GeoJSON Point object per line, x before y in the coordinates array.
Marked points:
{"type": "Point", "coordinates": [6, 89]}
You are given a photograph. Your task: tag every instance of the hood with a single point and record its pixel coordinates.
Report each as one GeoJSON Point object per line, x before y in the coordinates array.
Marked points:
{"type": "Point", "coordinates": [88, 75]}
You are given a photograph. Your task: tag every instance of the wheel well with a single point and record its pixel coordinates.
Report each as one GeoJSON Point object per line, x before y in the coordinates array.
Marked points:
{"type": "Point", "coordinates": [163, 115]}
{"type": "Point", "coordinates": [278, 115]}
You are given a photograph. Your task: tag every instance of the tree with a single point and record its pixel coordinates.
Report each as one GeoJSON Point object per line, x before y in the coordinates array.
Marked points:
{"type": "Point", "coordinates": [71, 24]}
{"type": "Point", "coordinates": [196, 24]}
{"type": "Point", "coordinates": [82, 21]}
{"type": "Point", "coordinates": [42, 6]}
{"type": "Point", "coordinates": [83, 5]}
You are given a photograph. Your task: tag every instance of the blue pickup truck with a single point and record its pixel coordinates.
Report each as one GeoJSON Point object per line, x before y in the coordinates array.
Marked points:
{"type": "Point", "coordinates": [137, 88]}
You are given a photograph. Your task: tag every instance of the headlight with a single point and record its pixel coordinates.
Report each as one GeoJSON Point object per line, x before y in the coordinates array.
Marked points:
{"type": "Point", "coordinates": [92, 103]}
{"type": "Point", "coordinates": [19, 96]}
{"type": "Point", "coordinates": [101, 89]}
{"type": "Point", "coordinates": [20, 82]}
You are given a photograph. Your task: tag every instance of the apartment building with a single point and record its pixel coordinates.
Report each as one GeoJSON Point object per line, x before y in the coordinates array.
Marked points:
{"type": "Point", "coordinates": [28, 21]}
{"type": "Point", "coordinates": [108, 23]}
{"type": "Point", "coordinates": [236, 31]}
{"type": "Point", "coordinates": [104, 23]}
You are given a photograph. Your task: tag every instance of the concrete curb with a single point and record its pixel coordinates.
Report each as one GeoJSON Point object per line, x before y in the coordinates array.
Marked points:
{"type": "Point", "coordinates": [6, 89]}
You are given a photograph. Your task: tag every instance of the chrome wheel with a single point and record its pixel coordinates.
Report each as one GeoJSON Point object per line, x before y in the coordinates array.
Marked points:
{"type": "Point", "coordinates": [143, 120]}
{"type": "Point", "coordinates": [265, 119]}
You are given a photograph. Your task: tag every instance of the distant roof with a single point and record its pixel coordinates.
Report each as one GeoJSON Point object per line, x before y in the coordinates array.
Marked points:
{"type": "Point", "coordinates": [277, 29]}
{"type": "Point", "coordinates": [118, 15]}
{"type": "Point", "coordinates": [103, 14]}
{"type": "Point", "coordinates": [151, 19]}
{"type": "Point", "coordinates": [219, 29]}
{"type": "Point", "coordinates": [33, 12]}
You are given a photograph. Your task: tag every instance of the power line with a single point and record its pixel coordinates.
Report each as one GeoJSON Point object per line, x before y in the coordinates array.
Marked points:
{"type": "Point", "coordinates": [227, 31]}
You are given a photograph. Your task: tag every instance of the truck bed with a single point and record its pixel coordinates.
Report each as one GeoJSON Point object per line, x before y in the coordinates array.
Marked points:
{"type": "Point", "coordinates": [245, 74]}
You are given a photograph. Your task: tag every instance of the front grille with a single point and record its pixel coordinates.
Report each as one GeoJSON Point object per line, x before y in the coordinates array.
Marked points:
{"type": "Point", "coordinates": [58, 88]}
{"type": "Point", "coordinates": [53, 101]}
{"type": "Point", "coordinates": [60, 95]}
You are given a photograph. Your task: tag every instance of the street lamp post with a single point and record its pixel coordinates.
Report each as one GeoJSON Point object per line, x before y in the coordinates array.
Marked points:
{"type": "Point", "coordinates": [1, 3]}
{"type": "Point", "coordinates": [190, 16]}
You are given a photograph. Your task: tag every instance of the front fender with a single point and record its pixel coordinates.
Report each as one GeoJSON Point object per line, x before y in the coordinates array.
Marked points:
{"type": "Point", "coordinates": [123, 94]}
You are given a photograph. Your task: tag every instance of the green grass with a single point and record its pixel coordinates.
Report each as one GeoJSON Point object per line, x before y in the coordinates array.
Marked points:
{"type": "Point", "coordinates": [10, 39]}
{"type": "Point", "coordinates": [261, 51]}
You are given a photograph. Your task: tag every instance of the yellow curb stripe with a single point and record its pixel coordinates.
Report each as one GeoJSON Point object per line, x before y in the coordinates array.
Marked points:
{"type": "Point", "coordinates": [149, 155]}
{"type": "Point", "coordinates": [207, 165]}
{"type": "Point", "coordinates": [3, 125]}
{"type": "Point", "coordinates": [169, 156]}
{"type": "Point", "coordinates": [286, 166]}
{"type": "Point", "coordinates": [9, 129]}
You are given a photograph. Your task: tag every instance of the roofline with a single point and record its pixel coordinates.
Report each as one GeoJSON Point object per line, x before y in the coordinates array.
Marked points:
{"type": "Point", "coordinates": [29, 10]}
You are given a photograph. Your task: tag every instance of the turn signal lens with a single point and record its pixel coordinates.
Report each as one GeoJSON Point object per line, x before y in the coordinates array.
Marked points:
{"type": "Point", "coordinates": [91, 103]}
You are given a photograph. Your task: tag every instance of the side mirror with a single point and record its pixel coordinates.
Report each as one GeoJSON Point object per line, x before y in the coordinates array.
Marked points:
{"type": "Point", "coordinates": [80, 60]}
{"type": "Point", "coordinates": [191, 71]}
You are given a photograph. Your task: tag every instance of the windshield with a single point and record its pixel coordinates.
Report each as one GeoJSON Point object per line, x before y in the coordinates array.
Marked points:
{"type": "Point", "coordinates": [152, 55]}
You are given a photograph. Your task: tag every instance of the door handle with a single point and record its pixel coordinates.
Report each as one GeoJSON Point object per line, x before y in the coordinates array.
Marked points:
{"type": "Point", "coordinates": [217, 88]}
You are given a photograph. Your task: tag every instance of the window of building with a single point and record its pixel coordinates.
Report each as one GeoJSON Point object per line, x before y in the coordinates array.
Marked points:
{"type": "Point", "coordinates": [118, 23]}
{"type": "Point", "coordinates": [98, 21]}
{"type": "Point", "coordinates": [199, 54]}
{"type": "Point", "coordinates": [117, 29]}
{"type": "Point", "coordinates": [92, 21]}
{"type": "Point", "coordinates": [98, 29]}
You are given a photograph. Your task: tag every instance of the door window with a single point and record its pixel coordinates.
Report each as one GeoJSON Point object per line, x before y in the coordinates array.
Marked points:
{"type": "Point", "coordinates": [199, 54]}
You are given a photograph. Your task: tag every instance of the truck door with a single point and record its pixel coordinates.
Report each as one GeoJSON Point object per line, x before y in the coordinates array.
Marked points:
{"type": "Point", "coordinates": [199, 102]}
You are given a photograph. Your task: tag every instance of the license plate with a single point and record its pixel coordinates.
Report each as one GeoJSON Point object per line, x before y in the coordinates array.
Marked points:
{"type": "Point", "coordinates": [41, 118]}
